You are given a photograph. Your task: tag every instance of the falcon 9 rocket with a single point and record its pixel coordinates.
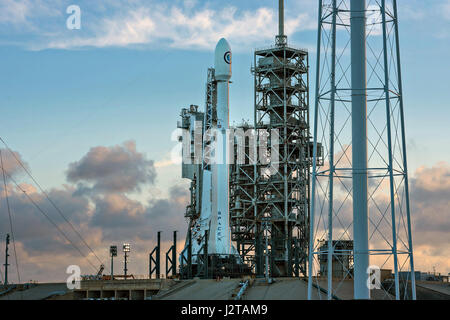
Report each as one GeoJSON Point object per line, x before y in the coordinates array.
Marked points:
{"type": "Point", "coordinates": [214, 213]}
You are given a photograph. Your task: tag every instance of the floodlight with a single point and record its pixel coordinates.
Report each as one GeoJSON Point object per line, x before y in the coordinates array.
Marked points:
{"type": "Point", "coordinates": [113, 251]}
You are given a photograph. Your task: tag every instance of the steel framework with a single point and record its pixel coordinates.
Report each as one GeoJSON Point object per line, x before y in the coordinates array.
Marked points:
{"type": "Point", "coordinates": [282, 113]}
{"type": "Point", "coordinates": [270, 199]}
{"type": "Point", "coordinates": [243, 208]}
{"type": "Point", "coordinates": [360, 193]}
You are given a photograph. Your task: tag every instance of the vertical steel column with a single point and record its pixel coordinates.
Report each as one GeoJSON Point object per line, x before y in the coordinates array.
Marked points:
{"type": "Point", "coordinates": [267, 250]}
{"type": "Point", "coordinates": [389, 141]}
{"type": "Point", "coordinates": [206, 265]}
{"type": "Point", "coordinates": [281, 39]}
{"type": "Point", "coordinates": [6, 259]}
{"type": "Point", "coordinates": [189, 259]}
{"type": "Point", "coordinates": [331, 173]}
{"type": "Point", "coordinates": [259, 250]}
{"type": "Point", "coordinates": [171, 257]}
{"type": "Point", "coordinates": [287, 244]}
{"type": "Point", "coordinates": [281, 17]}
{"type": "Point", "coordinates": [405, 162]}
{"type": "Point", "coordinates": [150, 265]}
{"type": "Point", "coordinates": [112, 267]}
{"type": "Point", "coordinates": [174, 254]}
{"type": "Point", "coordinates": [258, 267]}
{"type": "Point", "coordinates": [125, 269]}
{"type": "Point", "coordinates": [158, 257]}
{"type": "Point", "coordinates": [359, 148]}
{"type": "Point", "coordinates": [313, 186]}
{"type": "Point", "coordinates": [157, 260]}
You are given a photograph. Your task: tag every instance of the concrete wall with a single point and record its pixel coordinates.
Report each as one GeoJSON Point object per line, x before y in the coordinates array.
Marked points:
{"type": "Point", "coordinates": [122, 289]}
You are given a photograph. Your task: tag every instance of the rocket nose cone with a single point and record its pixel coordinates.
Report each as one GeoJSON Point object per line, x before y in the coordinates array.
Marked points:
{"type": "Point", "coordinates": [223, 45]}
{"type": "Point", "coordinates": [223, 60]}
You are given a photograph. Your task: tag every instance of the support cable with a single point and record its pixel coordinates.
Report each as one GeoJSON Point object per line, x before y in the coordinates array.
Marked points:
{"type": "Point", "coordinates": [51, 201]}
{"type": "Point", "coordinates": [50, 220]}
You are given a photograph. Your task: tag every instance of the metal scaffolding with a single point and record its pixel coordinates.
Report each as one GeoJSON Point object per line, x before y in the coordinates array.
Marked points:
{"type": "Point", "coordinates": [243, 207]}
{"type": "Point", "coordinates": [282, 187]}
{"type": "Point", "coordinates": [270, 197]}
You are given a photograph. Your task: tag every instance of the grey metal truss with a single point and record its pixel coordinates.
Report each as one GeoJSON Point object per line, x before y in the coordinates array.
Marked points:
{"type": "Point", "coordinates": [282, 195]}
{"type": "Point", "coordinates": [243, 199]}
{"type": "Point", "coordinates": [390, 239]}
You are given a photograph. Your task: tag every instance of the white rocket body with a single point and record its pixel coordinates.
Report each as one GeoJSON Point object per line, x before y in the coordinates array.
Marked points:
{"type": "Point", "coordinates": [220, 235]}
{"type": "Point", "coordinates": [215, 212]}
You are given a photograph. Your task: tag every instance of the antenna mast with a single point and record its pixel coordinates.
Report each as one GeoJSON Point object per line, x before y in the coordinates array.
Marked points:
{"type": "Point", "coordinates": [281, 38]}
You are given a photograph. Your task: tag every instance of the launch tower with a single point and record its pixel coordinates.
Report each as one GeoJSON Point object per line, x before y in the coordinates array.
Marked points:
{"type": "Point", "coordinates": [270, 201]}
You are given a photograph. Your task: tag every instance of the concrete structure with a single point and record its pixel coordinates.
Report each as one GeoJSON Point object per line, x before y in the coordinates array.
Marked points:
{"type": "Point", "coordinates": [202, 290]}
{"type": "Point", "coordinates": [138, 289]}
{"type": "Point", "coordinates": [281, 289]}
{"type": "Point", "coordinates": [227, 289]}
{"type": "Point", "coordinates": [342, 266]}
{"type": "Point", "coordinates": [39, 291]}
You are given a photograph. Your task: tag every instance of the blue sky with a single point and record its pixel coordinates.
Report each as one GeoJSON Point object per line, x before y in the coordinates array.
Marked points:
{"type": "Point", "coordinates": [59, 102]}
{"type": "Point", "coordinates": [126, 74]}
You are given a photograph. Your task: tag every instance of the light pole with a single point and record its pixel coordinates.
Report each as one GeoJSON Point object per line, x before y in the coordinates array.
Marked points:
{"type": "Point", "coordinates": [126, 250]}
{"type": "Point", "coordinates": [113, 253]}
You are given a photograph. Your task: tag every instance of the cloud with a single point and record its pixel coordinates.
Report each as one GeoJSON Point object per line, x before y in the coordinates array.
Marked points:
{"type": "Point", "coordinates": [12, 11]}
{"type": "Point", "coordinates": [33, 230]}
{"type": "Point", "coordinates": [24, 15]}
{"type": "Point", "coordinates": [121, 217]}
{"type": "Point", "coordinates": [148, 24]}
{"type": "Point", "coordinates": [111, 216]}
{"type": "Point", "coordinates": [10, 163]}
{"type": "Point", "coordinates": [168, 25]}
{"type": "Point", "coordinates": [106, 217]}
{"type": "Point", "coordinates": [430, 211]}
{"type": "Point", "coordinates": [118, 168]}
{"type": "Point", "coordinates": [116, 211]}
{"type": "Point", "coordinates": [192, 25]}
{"type": "Point", "coordinates": [446, 10]}
{"type": "Point", "coordinates": [430, 197]}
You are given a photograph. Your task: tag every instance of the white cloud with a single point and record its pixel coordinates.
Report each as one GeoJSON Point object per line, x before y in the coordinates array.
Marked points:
{"type": "Point", "coordinates": [21, 13]}
{"type": "Point", "coordinates": [189, 26]}
{"type": "Point", "coordinates": [13, 11]}
{"type": "Point", "coordinates": [446, 10]}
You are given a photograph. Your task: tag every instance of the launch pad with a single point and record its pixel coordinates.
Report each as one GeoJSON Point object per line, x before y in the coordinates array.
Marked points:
{"type": "Point", "coordinates": [249, 210]}
{"type": "Point", "coordinates": [213, 266]}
